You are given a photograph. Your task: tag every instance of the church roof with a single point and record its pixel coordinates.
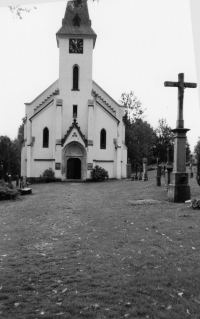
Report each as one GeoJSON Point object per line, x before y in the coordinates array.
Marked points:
{"type": "Point", "coordinates": [74, 125]}
{"type": "Point", "coordinates": [76, 21]}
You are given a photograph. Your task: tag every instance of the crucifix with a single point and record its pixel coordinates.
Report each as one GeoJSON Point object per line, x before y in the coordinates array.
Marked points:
{"type": "Point", "coordinates": [181, 85]}
{"type": "Point", "coordinates": [178, 189]}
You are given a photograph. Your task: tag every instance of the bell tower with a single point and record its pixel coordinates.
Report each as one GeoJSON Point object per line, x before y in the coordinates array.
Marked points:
{"type": "Point", "coordinates": [76, 41]}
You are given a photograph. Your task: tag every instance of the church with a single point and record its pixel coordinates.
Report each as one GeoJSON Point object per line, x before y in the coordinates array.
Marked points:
{"type": "Point", "coordinates": [74, 124]}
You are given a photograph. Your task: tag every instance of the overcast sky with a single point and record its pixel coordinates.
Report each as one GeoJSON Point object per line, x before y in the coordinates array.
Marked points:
{"type": "Point", "coordinates": [140, 45]}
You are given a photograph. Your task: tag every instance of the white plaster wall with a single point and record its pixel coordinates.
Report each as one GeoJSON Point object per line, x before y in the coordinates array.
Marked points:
{"type": "Point", "coordinates": [80, 98]}
{"type": "Point", "coordinates": [29, 107]}
{"type": "Point", "coordinates": [104, 120]}
{"type": "Point", "coordinates": [40, 167]}
{"type": "Point", "coordinates": [44, 119]}
{"type": "Point", "coordinates": [124, 161]}
{"type": "Point", "coordinates": [23, 161]}
{"type": "Point", "coordinates": [24, 152]}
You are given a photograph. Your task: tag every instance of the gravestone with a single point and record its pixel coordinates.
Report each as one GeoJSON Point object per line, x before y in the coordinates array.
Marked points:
{"type": "Point", "coordinates": [178, 189]}
{"type": "Point", "coordinates": [128, 169]}
{"type": "Point", "coordinates": [169, 168]}
{"type": "Point", "coordinates": [140, 176]}
{"type": "Point", "coordinates": [145, 175]}
{"type": "Point", "coordinates": [158, 176]}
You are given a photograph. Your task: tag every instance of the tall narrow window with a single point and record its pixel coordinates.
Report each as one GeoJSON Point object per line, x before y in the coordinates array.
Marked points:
{"type": "Point", "coordinates": [75, 77]}
{"type": "Point", "coordinates": [75, 107]}
{"type": "Point", "coordinates": [103, 139]}
{"type": "Point", "coordinates": [46, 137]}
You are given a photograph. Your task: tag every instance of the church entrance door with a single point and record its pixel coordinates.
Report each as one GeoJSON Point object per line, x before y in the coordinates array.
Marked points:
{"type": "Point", "coordinates": [74, 168]}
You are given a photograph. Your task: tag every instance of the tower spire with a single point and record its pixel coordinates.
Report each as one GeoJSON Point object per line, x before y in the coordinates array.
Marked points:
{"type": "Point", "coordinates": [76, 21]}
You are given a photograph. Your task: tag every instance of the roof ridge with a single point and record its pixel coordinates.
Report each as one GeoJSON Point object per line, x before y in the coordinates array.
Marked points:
{"type": "Point", "coordinates": [106, 103]}
{"type": "Point", "coordinates": [42, 93]}
{"type": "Point", "coordinates": [105, 92]}
{"type": "Point", "coordinates": [56, 92]}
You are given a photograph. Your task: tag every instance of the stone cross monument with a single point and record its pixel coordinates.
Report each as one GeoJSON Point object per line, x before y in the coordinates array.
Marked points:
{"type": "Point", "coordinates": [179, 190]}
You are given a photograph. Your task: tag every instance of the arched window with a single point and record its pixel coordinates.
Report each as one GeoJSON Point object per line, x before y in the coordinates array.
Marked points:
{"type": "Point", "coordinates": [103, 139]}
{"type": "Point", "coordinates": [75, 77]}
{"type": "Point", "coordinates": [46, 137]}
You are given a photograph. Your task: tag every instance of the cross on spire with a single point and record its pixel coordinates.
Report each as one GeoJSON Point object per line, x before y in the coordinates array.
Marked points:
{"type": "Point", "coordinates": [181, 85]}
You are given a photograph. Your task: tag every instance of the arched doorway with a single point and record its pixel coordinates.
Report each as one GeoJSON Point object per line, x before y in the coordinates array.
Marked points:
{"type": "Point", "coordinates": [74, 159]}
{"type": "Point", "coordinates": [73, 168]}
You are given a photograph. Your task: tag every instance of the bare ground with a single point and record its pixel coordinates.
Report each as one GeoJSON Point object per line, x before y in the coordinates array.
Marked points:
{"type": "Point", "coordinates": [87, 251]}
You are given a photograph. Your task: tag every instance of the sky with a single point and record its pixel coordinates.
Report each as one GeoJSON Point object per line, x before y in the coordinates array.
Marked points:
{"type": "Point", "coordinates": [140, 45]}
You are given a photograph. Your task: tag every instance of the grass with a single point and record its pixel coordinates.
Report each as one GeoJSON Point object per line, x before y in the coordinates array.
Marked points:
{"type": "Point", "coordinates": [86, 251]}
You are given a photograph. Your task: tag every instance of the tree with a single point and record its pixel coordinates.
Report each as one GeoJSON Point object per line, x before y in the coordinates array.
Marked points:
{"type": "Point", "coordinates": [20, 135]}
{"type": "Point", "coordinates": [139, 135]}
{"type": "Point", "coordinates": [18, 10]}
{"type": "Point", "coordinates": [164, 139]}
{"type": "Point", "coordinates": [10, 156]}
{"type": "Point", "coordinates": [140, 140]}
{"type": "Point", "coordinates": [133, 106]}
{"type": "Point", "coordinates": [188, 151]}
{"type": "Point", "coordinates": [197, 156]}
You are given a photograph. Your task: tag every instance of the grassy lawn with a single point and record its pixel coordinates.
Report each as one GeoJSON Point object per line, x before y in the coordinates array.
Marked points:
{"type": "Point", "coordinates": [86, 251]}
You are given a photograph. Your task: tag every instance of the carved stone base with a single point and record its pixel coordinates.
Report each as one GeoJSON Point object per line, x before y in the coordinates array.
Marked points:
{"type": "Point", "coordinates": [178, 193]}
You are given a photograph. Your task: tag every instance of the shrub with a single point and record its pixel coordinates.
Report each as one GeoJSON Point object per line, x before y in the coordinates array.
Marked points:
{"type": "Point", "coordinates": [48, 176]}
{"type": "Point", "coordinates": [7, 192]}
{"type": "Point", "coordinates": [99, 174]}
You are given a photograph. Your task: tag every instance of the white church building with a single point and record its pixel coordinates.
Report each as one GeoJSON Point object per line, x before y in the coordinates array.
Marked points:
{"type": "Point", "coordinates": [74, 124]}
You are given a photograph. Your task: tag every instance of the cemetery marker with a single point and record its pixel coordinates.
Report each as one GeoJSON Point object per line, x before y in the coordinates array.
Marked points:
{"type": "Point", "coordinates": [179, 190]}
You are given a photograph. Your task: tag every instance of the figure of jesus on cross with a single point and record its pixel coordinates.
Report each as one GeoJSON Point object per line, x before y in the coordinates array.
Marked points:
{"type": "Point", "coordinates": [178, 189]}
{"type": "Point", "coordinates": [181, 87]}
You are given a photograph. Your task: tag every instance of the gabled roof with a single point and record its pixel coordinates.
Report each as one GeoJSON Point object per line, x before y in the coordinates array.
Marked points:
{"type": "Point", "coordinates": [74, 125]}
{"type": "Point", "coordinates": [76, 11]}
{"type": "Point", "coordinates": [41, 109]}
{"type": "Point", "coordinates": [96, 88]}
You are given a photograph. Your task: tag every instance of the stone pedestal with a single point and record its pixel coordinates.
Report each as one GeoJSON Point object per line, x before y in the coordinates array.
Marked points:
{"type": "Point", "coordinates": [178, 189]}
{"type": "Point", "coordinates": [145, 175]}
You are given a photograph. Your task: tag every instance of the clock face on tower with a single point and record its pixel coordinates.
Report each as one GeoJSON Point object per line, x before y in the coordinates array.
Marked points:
{"type": "Point", "coordinates": [75, 45]}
